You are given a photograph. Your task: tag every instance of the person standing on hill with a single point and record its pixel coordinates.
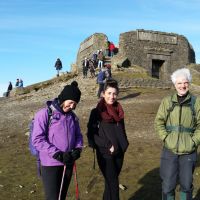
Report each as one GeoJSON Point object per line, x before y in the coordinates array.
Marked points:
{"type": "Point", "coordinates": [106, 133]}
{"type": "Point", "coordinates": [10, 87]}
{"type": "Point", "coordinates": [178, 125]}
{"type": "Point", "coordinates": [85, 65]}
{"type": "Point", "coordinates": [59, 141]}
{"type": "Point", "coordinates": [111, 49]}
{"type": "Point", "coordinates": [21, 84]}
{"type": "Point", "coordinates": [17, 83]}
{"type": "Point", "coordinates": [58, 66]}
{"type": "Point", "coordinates": [101, 77]}
{"type": "Point", "coordinates": [100, 58]}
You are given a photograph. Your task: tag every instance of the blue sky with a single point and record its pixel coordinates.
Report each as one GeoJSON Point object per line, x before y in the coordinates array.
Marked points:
{"type": "Point", "coordinates": [33, 33]}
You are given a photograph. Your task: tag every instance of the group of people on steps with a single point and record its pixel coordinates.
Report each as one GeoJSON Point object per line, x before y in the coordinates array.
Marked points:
{"type": "Point", "coordinates": [177, 123]}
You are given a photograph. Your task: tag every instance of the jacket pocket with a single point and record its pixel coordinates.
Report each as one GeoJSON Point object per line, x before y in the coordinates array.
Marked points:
{"type": "Point", "coordinates": [171, 141]}
{"type": "Point", "coordinates": [186, 144]}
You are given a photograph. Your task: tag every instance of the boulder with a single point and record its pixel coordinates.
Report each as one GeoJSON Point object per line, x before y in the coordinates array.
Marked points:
{"type": "Point", "coordinates": [119, 61]}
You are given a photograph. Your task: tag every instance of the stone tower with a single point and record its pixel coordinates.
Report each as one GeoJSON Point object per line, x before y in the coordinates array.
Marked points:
{"type": "Point", "coordinates": [159, 53]}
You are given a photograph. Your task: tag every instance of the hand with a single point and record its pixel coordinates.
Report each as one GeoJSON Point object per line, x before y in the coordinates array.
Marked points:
{"type": "Point", "coordinates": [76, 153]}
{"type": "Point", "coordinates": [68, 159]}
{"type": "Point", "coordinates": [58, 156]}
{"type": "Point", "coordinates": [64, 157]}
{"type": "Point", "coordinates": [112, 149]}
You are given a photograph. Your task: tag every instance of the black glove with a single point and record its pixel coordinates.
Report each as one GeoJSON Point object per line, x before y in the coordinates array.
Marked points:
{"type": "Point", "coordinates": [64, 157]}
{"type": "Point", "coordinates": [58, 156]}
{"type": "Point", "coordinates": [76, 153]}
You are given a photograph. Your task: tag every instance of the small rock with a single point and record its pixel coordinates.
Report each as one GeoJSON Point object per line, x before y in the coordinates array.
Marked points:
{"type": "Point", "coordinates": [1, 186]}
{"type": "Point", "coordinates": [21, 186]}
{"type": "Point", "coordinates": [27, 134]}
{"type": "Point", "coordinates": [122, 187]}
{"type": "Point", "coordinates": [32, 191]}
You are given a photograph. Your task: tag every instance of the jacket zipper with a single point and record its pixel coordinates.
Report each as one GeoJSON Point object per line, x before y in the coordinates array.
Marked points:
{"type": "Point", "coordinates": [67, 133]}
{"type": "Point", "coordinates": [180, 113]}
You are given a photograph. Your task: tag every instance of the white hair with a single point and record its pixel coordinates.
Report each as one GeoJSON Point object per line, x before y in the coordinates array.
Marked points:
{"type": "Point", "coordinates": [183, 72]}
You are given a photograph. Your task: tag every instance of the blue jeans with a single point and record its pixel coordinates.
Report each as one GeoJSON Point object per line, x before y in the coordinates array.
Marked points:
{"type": "Point", "coordinates": [175, 167]}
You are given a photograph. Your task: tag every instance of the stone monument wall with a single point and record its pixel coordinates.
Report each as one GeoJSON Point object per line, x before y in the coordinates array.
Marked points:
{"type": "Point", "coordinates": [151, 49]}
{"type": "Point", "coordinates": [89, 46]}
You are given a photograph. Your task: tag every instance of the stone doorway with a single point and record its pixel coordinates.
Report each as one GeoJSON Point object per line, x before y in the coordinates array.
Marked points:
{"type": "Point", "coordinates": [156, 68]}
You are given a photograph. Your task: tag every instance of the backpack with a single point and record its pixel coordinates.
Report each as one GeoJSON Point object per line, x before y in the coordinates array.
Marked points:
{"type": "Point", "coordinates": [32, 149]}
{"type": "Point", "coordinates": [181, 128]}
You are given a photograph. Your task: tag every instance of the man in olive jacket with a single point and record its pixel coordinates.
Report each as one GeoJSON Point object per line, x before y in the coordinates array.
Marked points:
{"type": "Point", "coordinates": [178, 125]}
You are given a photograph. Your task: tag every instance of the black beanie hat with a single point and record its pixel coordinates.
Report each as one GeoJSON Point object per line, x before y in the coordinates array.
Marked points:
{"type": "Point", "coordinates": [70, 92]}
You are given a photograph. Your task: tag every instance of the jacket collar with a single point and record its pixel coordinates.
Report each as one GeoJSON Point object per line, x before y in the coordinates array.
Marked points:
{"type": "Point", "coordinates": [186, 100]}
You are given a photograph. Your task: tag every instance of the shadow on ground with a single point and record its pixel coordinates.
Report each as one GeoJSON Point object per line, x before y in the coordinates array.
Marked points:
{"type": "Point", "coordinates": [151, 187]}
{"type": "Point", "coordinates": [130, 96]}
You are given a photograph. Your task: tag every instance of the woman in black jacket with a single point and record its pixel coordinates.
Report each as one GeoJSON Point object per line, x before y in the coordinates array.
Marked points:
{"type": "Point", "coordinates": [106, 133]}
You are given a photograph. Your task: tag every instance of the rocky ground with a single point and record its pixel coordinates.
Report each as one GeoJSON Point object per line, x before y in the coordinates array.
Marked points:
{"type": "Point", "coordinates": [140, 174]}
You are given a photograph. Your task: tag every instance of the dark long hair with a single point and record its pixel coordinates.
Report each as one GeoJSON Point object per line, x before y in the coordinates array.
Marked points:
{"type": "Point", "coordinates": [111, 83]}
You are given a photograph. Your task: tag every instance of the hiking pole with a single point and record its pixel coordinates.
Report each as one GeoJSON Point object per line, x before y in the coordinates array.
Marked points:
{"type": "Point", "coordinates": [61, 185]}
{"type": "Point", "coordinates": [76, 181]}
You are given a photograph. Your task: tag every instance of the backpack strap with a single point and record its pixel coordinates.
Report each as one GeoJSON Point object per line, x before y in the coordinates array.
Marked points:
{"type": "Point", "coordinates": [169, 110]}
{"type": "Point", "coordinates": [192, 103]}
{"type": "Point", "coordinates": [50, 110]}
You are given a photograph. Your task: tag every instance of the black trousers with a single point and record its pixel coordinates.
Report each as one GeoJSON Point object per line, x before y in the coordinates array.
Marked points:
{"type": "Point", "coordinates": [52, 177]}
{"type": "Point", "coordinates": [110, 167]}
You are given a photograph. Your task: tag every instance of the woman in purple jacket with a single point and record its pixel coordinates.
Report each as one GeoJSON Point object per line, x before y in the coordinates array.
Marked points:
{"type": "Point", "coordinates": [58, 140]}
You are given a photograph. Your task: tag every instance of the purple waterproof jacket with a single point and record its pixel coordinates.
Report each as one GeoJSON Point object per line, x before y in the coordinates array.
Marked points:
{"type": "Point", "coordinates": [63, 135]}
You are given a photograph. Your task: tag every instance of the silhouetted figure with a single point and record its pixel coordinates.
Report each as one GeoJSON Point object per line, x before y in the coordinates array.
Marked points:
{"type": "Point", "coordinates": [21, 84]}
{"type": "Point", "coordinates": [58, 66]}
{"type": "Point", "coordinates": [17, 83]}
{"type": "Point", "coordinates": [9, 89]}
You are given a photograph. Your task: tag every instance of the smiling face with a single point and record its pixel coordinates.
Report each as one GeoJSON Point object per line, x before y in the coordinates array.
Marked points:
{"type": "Point", "coordinates": [182, 85]}
{"type": "Point", "coordinates": [68, 105]}
{"type": "Point", "coordinates": [110, 95]}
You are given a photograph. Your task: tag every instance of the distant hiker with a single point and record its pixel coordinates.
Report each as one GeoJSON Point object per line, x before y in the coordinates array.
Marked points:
{"type": "Point", "coordinates": [21, 84]}
{"type": "Point", "coordinates": [178, 125]}
{"type": "Point", "coordinates": [106, 46]}
{"type": "Point", "coordinates": [92, 68]}
{"type": "Point", "coordinates": [85, 65]}
{"type": "Point", "coordinates": [58, 141]}
{"type": "Point", "coordinates": [10, 87]}
{"type": "Point", "coordinates": [101, 77]}
{"type": "Point", "coordinates": [94, 58]}
{"type": "Point", "coordinates": [58, 66]}
{"type": "Point", "coordinates": [17, 83]}
{"type": "Point", "coordinates": [111, 49]}
{"type": "Point", "coordinates": [106, 133]}
{"type": "Point", "coordinates": [100, 58]}
{"type": "Point", "coordinates": [108, 73]}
